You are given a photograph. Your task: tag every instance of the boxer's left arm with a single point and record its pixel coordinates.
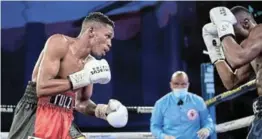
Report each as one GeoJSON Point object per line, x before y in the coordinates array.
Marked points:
{"type": "Point", "coordinates": [114, 112]}
{"type": "Point", "coordinates": [83, 102]}
{"type": "Point", "coordinates": [236, 55]}
{"type": "Point", "coordinates": [239, 55]}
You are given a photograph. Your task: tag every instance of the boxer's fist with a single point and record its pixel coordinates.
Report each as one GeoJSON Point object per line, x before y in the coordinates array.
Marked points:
{"type": "Point", "coordinates": [212, 42]}
{"type": "Point", "coordinates": [118, 115]}
{"type": "Point", "coordinates": [115, 113]}
{"type": "Point", "coordinates": [224, 20]}
{"type": "Point", "coordinates": [95, 71]}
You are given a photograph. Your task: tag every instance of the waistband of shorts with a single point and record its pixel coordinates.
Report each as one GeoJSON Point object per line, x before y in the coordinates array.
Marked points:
{"type": "Point", "coordinates": [61, 101]}
{"type": "Point", "coordinates": [30, 93]}
{"type": "Point", "coordinates": [54, 107]}
{"type": "Point", "coordinates": [257, 106]}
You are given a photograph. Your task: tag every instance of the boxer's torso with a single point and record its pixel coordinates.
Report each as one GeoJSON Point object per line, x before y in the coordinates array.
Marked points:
{"type": "Point", "coordinates": [257, 64]}
{"type": "Point", "coordinates": [68, 65]}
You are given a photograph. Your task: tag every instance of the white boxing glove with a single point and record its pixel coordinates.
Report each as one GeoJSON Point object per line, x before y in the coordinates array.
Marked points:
{"type": "Point", "coordinates": [224, 20]}
{"type": "Point", "coordinates": [94, 71]}
{"type": "Point", "coordinates": [212, 42]}
{"type": "Point", "coordinates": [115, 113]}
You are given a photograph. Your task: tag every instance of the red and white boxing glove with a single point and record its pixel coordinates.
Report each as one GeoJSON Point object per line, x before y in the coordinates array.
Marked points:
{"type": "Point", "coordinates": [94, 71]}
{"type": "Point", "coordinates": [212, 42]}
{"type": "Point", "coordinates": [114, 113]}
{"type": "Point", "coordinates": [224, 20]}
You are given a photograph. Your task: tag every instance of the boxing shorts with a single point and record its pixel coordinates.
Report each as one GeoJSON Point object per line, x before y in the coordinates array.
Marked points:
{"type": "Point", "coordinates": [256, 127]}
{"type": "Point", "coordinates": [26, 118]}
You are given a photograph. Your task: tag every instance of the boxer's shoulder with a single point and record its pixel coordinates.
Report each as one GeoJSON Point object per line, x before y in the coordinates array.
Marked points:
{"type": "Point", "coordinates": [256, 32]}
{"type": "Point", "coordinates": [58, 44]}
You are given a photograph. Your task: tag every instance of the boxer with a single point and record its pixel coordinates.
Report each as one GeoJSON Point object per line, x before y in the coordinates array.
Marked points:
{"type": "Point", "coordinates": [240, 35]}
{"type": "Point", "coordinates": [62, 80]}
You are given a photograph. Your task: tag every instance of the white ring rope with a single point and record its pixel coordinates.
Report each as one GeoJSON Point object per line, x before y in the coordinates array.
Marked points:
{"type": "Point", "coordinates": [220, 128]}
{"type": "Point", "coordinates": [235, 124]}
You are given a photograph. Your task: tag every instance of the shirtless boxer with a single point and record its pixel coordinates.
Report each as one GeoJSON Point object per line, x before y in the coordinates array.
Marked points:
{"type": "Point", "coordinates": [241, 53]}
{"type": "Point", "coordinates": [62, 81]}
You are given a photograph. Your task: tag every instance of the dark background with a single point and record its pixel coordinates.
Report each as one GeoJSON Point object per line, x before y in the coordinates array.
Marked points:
{"type": "Point", "coordinates": [152, 40]}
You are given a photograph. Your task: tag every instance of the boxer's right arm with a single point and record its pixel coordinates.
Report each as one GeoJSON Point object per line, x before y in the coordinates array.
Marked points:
{"type": "Point", "coordinates": [229, 78]}
{"type": "Point", "coordinates": [232, 79]}
{"type": "Point", "coordinates": [55, 49]}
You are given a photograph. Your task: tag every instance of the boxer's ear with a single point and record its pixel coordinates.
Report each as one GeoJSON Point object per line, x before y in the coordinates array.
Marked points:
{"type": "Point", "coordinates": [245, 23]}
{"type": "Point", "coordinates": [91, 32]}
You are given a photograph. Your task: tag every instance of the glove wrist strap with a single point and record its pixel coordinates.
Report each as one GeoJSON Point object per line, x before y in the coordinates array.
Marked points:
{"type": "Point", "coordinates": [225, 29]}
{"type": "Point", "coordinates": [219, 60]}
{"type": "Point", "coordinates": [101, 111]}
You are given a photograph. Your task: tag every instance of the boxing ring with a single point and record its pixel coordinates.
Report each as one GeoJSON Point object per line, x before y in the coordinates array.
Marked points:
{"type": "Point", "coordinates": [220, 128]}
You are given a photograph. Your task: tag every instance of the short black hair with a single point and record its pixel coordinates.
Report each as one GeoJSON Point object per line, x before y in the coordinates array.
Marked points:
{"type": "Point", "coordinates": [98, 17]}
{"type": "Point", "coordinates": [240, 9]}
{"type": "Point", "coordinates": [237, 9]}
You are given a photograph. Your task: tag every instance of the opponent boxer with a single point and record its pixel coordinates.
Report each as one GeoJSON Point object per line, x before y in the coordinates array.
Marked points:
{"type": "Point", "coordinates": [238, 23]}
{"type": "Point", "coordinates": [181, 114]}
{"type": "Point", "coordinates": [62, 79]}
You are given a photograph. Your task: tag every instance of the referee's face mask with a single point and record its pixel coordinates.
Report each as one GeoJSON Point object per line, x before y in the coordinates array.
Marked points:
{"type": "Point", "coordinates": [179, 83]}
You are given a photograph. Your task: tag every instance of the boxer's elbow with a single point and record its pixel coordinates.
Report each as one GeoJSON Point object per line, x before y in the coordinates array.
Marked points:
{"type": "Point", "coordinates": [229, 82]}
{"type": "Point", "coordinates": [40, 90]}
{"type": "Point", "coordinates": [43, 89]}
{"type": "Point", "coordinates": [237, 63]}
{"type": "Point", "coordinates": [228, 85]}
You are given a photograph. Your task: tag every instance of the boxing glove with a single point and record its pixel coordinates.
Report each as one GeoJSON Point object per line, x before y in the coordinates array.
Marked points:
{"type": "Point", "coordinates": [224, 20]}
{"type": "Point", "coordinates": [114, 113]}
{"type": "Point", "coordinates": [212, 42]}
{"type": "Point", "coordinates": [94, 71]}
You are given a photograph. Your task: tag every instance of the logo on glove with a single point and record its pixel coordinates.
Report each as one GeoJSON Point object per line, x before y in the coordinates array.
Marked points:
{"type": "Point", "coordinates": [223, 11]}
{"type": "Point", "coordinates": [99, 69]}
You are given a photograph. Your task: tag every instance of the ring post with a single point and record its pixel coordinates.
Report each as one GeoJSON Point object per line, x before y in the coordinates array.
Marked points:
{"type": "Point", "coordinates": [208, 89]}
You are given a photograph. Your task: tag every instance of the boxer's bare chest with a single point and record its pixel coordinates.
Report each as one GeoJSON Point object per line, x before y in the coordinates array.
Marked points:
{"type": "Point", "coordinates": [70, 64]}
{"type": "Point", "coordinates": [257, 66]}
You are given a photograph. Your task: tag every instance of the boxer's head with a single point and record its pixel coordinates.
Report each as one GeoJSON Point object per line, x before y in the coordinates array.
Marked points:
{"type": "Point", "coordinates": [98, 30]}
{"type": "Point", "coordinates": [245, 21]}
{"type": "Point", "coordinates": [179, 80]}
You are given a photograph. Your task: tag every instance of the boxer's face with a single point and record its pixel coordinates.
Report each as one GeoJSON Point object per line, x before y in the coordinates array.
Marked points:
{"type": "Point", "coordinates": [243, 25]}
{"type": "Point", "coordinates": [101, 41]}
{"type": "Point", "coordinates": [180, 81]}
{"type": "Point", "coordinates": [240, 31]}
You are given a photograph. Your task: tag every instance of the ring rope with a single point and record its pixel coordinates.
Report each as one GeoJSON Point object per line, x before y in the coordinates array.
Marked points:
{"type": "Point", "coordinates": [220, 128]}
{"type": "Point", "coordinates": [235, 124]}
{"type": "Point", "coordinates": [228, 95]}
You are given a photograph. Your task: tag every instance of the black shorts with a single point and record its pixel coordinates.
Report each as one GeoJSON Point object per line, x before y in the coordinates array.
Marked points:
{"type": "Point", "coordinates": [256, 128]}
{"type": "Point", "coordinates": [25, 116]}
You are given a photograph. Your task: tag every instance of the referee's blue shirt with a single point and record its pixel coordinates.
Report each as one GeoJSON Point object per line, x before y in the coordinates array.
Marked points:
{"type": "Point", "coordinates": [181, 121]}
